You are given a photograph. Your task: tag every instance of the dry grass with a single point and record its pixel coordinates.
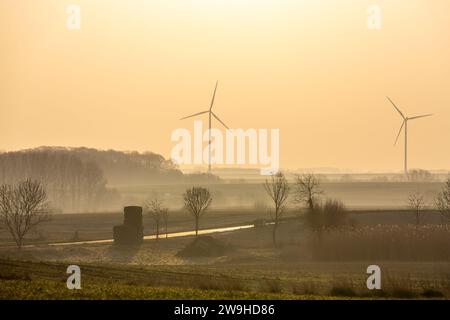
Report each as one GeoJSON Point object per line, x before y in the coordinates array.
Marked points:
{"type": "Point", "coordinates": [271, 286]}
{"type": "Point", "coordinates": [398, 286]}
{"type": "Point", "coordinates": [305, 288]}
{"type": "Point", "coordinates": [344, 287]}
{"type": "Point", "coordinates": [384, 242]}
{"type": "Point", "coordinates": [227, 284]}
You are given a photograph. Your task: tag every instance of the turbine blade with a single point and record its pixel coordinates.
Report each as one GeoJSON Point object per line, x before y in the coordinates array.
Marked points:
{"type": "Point", "coordinates": [403, 116]}
{"type": "Point", "coordinates": [214, 95]}
{"type": "Point", "coordinates": [217, 118]}
{"type": "Point", "coordinates": [418, 117]}
{"type": "Point", "coordinates": [197, 114]}
{"type": "Point", "coordinates": [400, 131]}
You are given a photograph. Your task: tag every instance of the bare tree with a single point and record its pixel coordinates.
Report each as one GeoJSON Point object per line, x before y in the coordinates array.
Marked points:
{"type": "Point", "coordinates": [443, 200]}
{"type": "Point", "coordinates": [308, 189]}
{"type": "Point", "coordinates": [22, 208]}
{"type": "Point", "coordinates": [278, 190]}
{"type": "Point", "coordinates": [196, 201]}
{"type": "Point", "coordinates": [416, 201]}
{"type": "Point", "coordinates": [157, 212]}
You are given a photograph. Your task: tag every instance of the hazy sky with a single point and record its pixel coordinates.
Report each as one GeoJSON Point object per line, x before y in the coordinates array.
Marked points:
{"type": "Point", "coordinates": [311, 68]}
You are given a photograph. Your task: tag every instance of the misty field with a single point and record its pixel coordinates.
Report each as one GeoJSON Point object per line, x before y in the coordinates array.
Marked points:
{"type": "Point", "coordinates": [249, 194]}
{"type": "Point", "coordinates": [415, 263]}
{"type": "Point", "coordinates": [308, 260]}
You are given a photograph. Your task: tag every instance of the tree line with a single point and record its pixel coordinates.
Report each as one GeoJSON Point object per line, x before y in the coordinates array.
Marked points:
{"type": "Point", "coordinates": [70, 183]}
{"type": "Point", "coordinates": [327, 214]}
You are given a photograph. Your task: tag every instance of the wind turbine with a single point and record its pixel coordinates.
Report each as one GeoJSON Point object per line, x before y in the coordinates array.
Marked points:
{"type": "Point", "coordinates": [405, 124]}
{"type": "Point", "coordinates": [211, 114]}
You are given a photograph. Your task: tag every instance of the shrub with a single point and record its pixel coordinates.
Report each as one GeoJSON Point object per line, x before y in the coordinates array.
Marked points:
{"type": "Point", "coordinates": [272, 286]}
{"type": "Point", "coordinates": [339, 291]}
{"type": "Point", "coordinates": [343, 287]}
{"type": "Point", "coordinates": [204, 246]}
{"type": "Point", "coordinates": [308, 288]}
{"type": "Point", "coordinates": [330, 214]}
{"type": "Point", "coordinates": [432, 293]}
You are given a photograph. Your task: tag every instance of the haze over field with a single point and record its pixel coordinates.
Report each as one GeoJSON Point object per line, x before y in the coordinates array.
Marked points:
{"type": "Point", "coordinates": [305, 197]}
{"type": "Point", "coordinates": [310, 68]}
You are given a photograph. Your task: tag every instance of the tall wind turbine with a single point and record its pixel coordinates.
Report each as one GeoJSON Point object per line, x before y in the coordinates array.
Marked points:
{"type": "Point", "coordinates": [405, 125]}
{"type": "Point", "coordinates": [211, 114]}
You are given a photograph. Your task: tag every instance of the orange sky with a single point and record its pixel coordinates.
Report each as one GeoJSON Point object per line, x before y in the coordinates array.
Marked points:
{"type": "Point", "coordinates": [310, 68]}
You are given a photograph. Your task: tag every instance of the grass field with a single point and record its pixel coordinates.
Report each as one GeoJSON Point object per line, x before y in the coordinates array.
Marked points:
{"type": "Point", "coordinates": [49, 289]}
{"type": "Point", "coordinates": [32, 280]}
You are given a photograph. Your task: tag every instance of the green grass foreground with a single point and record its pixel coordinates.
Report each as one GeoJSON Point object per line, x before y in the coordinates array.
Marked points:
{"type": "Point", "coordinates": [50, 289]}
{"type": "Point", "coordinates": [47, 280]}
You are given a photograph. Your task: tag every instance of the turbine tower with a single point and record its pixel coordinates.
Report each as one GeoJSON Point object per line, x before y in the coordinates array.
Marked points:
{"type": "Point", "coordinates": [211, 114]}
{"type": "Point", "coordinates": [405, 125]}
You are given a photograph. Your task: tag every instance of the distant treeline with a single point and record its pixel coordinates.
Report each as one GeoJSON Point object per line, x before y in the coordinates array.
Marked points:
{"type": "Point", "coordinates": [71, 183]}
{"type": "Point", "coordinates": [76, 179]}
{"type": "Point", "coordinates": [129, 168]}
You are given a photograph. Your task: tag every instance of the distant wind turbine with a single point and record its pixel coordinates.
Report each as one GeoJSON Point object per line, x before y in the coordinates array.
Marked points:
{"type": "Point", "coordinates": [211, 114]}
{"type": "Point", "coordinates": [405, 125]}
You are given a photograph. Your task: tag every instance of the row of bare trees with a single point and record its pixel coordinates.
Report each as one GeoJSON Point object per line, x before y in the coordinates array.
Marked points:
{"type": "Point", "coordinates": [159, 215]}
{"type": "Point", "coordinates": [198, 199]}
{"type": "Point", "coordinates": [331, 213]}
{"type": "Point", "coordinates": [71, 184]}
{"type": "Point", "coordinates": [24, 206]}
{"type": "Point", "coordinates": [196, 202]}
{"type": "Point", "coordinates": [320, 215]}
{"type": "Point", "coordinates": [417, 201]}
